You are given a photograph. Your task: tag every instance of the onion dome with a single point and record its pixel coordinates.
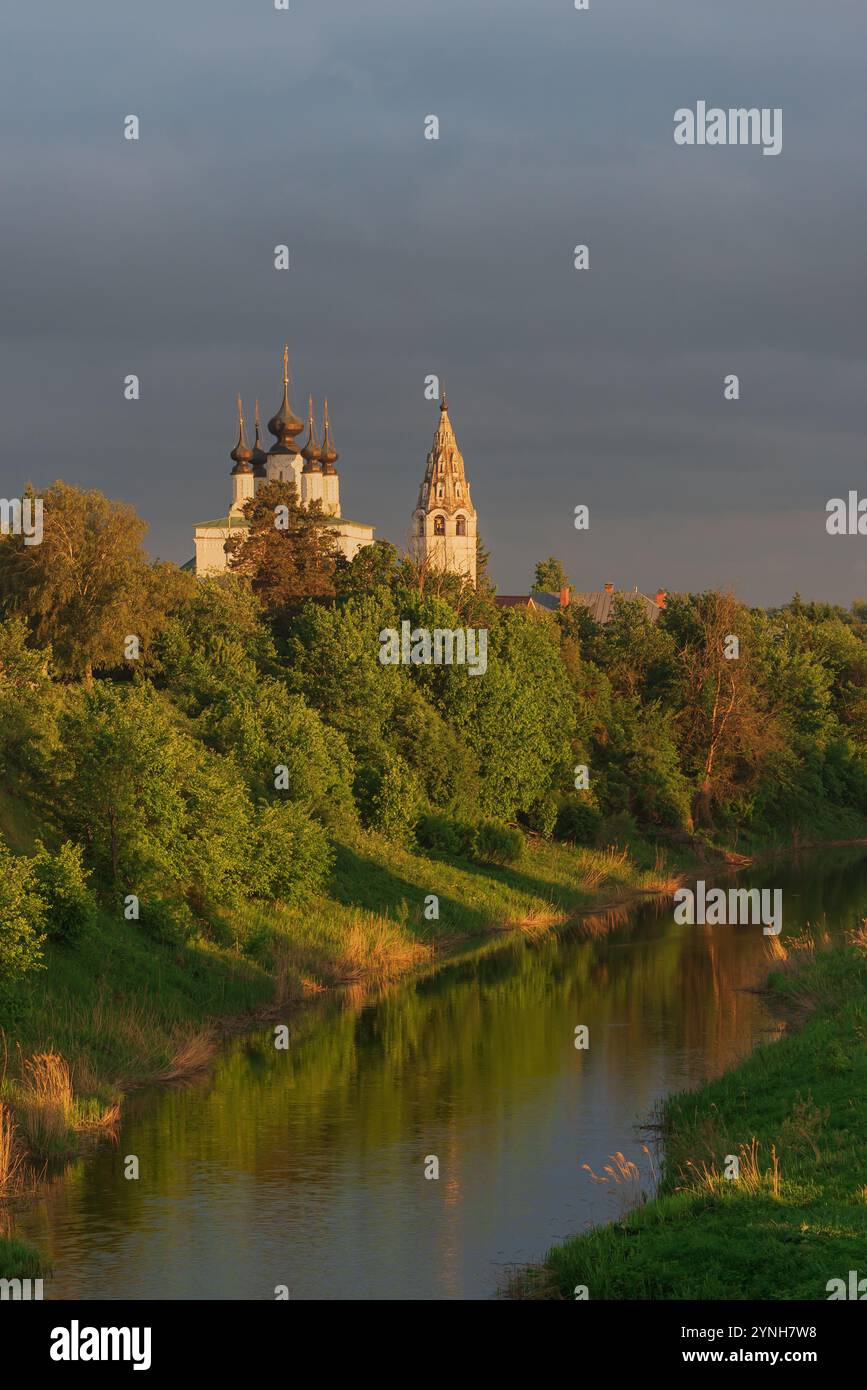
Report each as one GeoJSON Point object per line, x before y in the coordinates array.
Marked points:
{"type": "Point", "coordinates": [241, 454]}
{"type": "Point", "coordinates": [285, 424]}
{"type": "Point", "coordinates": [259, 457]}
{"type": "Point", "coordinates": [311, 453]}
{"type": "Point", "coordinates": [328, 453]}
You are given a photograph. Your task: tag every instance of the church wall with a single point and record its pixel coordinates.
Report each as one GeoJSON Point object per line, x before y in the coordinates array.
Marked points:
{"type": "Point", "coordinates": [331, 494]}
{"type": "Point", "coordinates": [352, 537]}
{"type": "Point", "coordinates": [211, 559]}
{"type": "Point", "coordinates": [242, 490]}
{"type": "Point", "coordinates": [210, 555]}
{"type": "Point", "coordinates": [311, 488]}
{"type": "Point", "coordinates": [285, 468]}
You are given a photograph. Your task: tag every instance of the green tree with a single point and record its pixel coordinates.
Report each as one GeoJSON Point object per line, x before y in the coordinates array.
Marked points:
{"type": "Point", "coordinates": [263, 726]}
{"type": "Point", "coordinates": [517, 718]}
{"type": "Point", "coordinates": [332, 656]}
{"type": "Point", "coordinates": [639, 766]}
{"type": "Point", "coordinates": [550, 577]}
{"type": "Point", "coordinates": [377, 566]}
{"type": "Point", "coordinates": [86, 586]}
{"type": "Point", "coordinates": [389, 795]}
{"type": "Point", "coordinates": [28, 704]}
{"type": "Point", "coordinates": [638, 656]}
{"type": "Point", "coordinates": [218, 641]}
{"type": "Point", "coordinates": [726, 728]}
{"type": "Point", "coordinates": [121, 769]}
{"type": "Point", "coordinates": [289, 553]}
{"type": "Point", "coordinates": [291, 855]}
{"type": "Point", "coordinates": [62, 882]}
{"type": "Point", "coordinates": [22, 918]}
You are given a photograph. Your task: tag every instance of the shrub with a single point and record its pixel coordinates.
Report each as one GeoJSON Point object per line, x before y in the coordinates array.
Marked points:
{"type": "Point", "coordinates": [22, 918]}
{"type": "Point", "coordinates": [449, 836]}
{"type": "Point", "coordinates": [619, 829]}
{"type": "Point", "coordinates": [291, 854]}
{"type": "Point", "coordinates": [165, 921]}
{"type": "Point", "coordinates": [578, 821]}
{"type": "Point", "coordinates": [389, 796]}
{"type": "Point", "coordinates": [61, 880]}
{"type": "Point", "coordinates": [498, 844]}
{"type": "Point", "coordinates": [486, 842]}
{"type": "Point", "coordinates": [542, 816]}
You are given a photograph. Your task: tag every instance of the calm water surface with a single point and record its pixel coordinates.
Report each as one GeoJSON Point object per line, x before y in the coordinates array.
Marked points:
{"type": "Point", "coordinates": [306, 1167]}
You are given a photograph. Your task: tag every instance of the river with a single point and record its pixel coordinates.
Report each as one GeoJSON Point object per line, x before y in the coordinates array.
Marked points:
{"type": "Point", "coordinates": [306, 1167]}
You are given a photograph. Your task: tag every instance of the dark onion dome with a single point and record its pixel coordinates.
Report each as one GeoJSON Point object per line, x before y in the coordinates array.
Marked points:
{"type": "Point", "coordinates": [241, 454]}
{"type": "Point", "coordinates": [259, 457]}
{"type": "Point", "coordinates": [311, 453]}
{"type": "Point", "coordinates": [328, 453]}
{"type": "Point", "coordinates": [285, 424]}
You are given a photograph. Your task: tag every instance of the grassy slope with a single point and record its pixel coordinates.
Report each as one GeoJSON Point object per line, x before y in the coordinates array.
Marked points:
{"type": "Point", "coordinates": [710, 1238]}
{"type": "Point", "coordinates": [119, 1005]}
{"type": "Point", "coordinates": [123, 1009]}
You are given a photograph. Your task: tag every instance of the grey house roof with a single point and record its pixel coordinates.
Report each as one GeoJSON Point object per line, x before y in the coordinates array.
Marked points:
{"type": "Point", "coordinates": [601, 603]}
{"type": "Point", "coordinates": [598, 602]}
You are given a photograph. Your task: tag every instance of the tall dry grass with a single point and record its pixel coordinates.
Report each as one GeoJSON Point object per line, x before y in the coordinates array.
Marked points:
{"type": "Point", "coordinates": [11, 1155]}
{"type": "Point", "coordinates": [752, 1177]}
{"type": "Point", "coordinates": [47, 1113]}
{"type": "Point", "coordinates": [376, 950]}
{"type": "Point", "coordinates": [537, 921]}
{"type": "Point", "coordinates": [193, 1054]}
{"type": "Point", "coordinates": [603, 864]}
{"type": "Point", "coordinates": [624, 1179]}
{"type": "Point", "coordinates": [45, 1102]}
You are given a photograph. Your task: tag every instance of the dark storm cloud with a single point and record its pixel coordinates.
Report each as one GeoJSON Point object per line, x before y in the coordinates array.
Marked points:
{"type": "Point", "coordinates": [410, 257]}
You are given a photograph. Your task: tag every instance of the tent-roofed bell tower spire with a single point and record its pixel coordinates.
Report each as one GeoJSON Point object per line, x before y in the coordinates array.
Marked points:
{"type": "Point", "coordinates": [444, 521]}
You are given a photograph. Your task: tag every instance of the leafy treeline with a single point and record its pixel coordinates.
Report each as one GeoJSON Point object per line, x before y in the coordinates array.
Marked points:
{"type": "Point", "coordinates": [255, 722]}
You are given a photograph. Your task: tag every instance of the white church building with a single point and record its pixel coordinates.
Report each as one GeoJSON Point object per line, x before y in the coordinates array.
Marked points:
{"type": "Point", "coordinates": [310, 466]}
{"type": "Point", "coordinates": [443, 523]}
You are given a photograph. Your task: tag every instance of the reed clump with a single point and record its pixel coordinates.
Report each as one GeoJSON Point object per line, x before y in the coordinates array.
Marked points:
{"type": "Point", "coordinates": [45, 1103]}
{"type": "Point", "coordinates": [48, 1117]}
{"type": "Point", "coordinates": [11, 1155]}
{"type": "Point", "coordinates": [377, 949]}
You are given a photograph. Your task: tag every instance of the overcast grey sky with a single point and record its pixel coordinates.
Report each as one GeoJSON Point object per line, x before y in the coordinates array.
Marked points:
{"type": "Point", "coordinates": [411, 257]}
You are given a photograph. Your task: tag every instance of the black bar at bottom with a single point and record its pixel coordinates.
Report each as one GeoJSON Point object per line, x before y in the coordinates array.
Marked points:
{"type": "Point", "coordinates": [166, 1338]}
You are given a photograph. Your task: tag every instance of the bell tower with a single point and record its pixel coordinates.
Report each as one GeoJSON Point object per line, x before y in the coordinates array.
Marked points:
{"type": "Point", "coordinates": [444, 521]}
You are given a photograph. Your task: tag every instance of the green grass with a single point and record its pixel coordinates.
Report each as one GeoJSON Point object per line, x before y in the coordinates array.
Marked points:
{"type": "Point", "coordinates": [804, 1100]}
{"type": "Point", "coordinates": [20, 1261]}
{"type": "Point", "coordinates": [119, 1005]}
{"type": "Point", "coordinates": [122, 1009]}
{"type": "Point", "coordinates": [825, 824]}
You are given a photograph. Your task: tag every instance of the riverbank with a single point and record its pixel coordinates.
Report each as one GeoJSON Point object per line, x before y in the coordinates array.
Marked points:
{"type": "Point", "coordinates": [794, 1113]}
{"type": "Point", "coordinates": [119, 1009]}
